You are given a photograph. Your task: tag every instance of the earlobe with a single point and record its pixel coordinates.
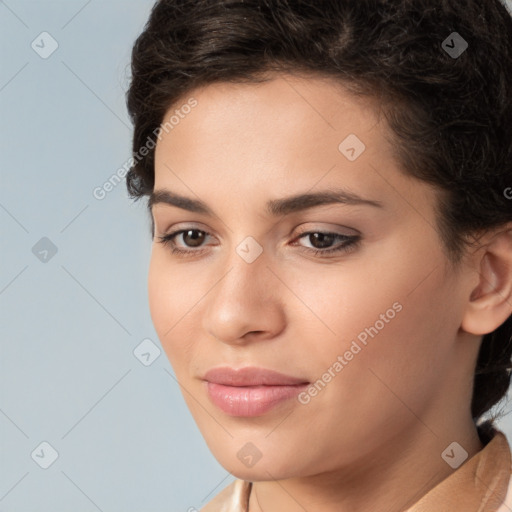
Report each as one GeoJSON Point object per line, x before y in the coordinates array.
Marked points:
{"type": "Point", "coordinates": [490, 301]}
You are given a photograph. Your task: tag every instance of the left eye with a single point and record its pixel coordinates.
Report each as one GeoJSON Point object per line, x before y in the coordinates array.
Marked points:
{"type": "Point", "coordinates": [195, 237]}
{"type": "Point", "coordinates": [347, 242]}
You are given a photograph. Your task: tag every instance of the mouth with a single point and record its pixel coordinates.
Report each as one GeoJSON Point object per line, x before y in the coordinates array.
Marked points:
{"type": "Point", "coordinates": [250, 391]}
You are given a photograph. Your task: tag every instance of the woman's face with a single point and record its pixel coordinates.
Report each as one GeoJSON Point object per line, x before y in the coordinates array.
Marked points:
{"type": "Point", "coordinates": [373, 325]}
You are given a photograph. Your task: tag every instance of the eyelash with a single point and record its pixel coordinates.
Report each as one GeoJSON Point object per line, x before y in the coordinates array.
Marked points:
{"type": "Point", "coordinates": [351, 243]}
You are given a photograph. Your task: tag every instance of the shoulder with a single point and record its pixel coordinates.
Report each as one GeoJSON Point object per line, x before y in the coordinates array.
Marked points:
{"type": "Point", "coordinates": [507, 503]}
{"type": "Point", "coordinates": [233, 498]}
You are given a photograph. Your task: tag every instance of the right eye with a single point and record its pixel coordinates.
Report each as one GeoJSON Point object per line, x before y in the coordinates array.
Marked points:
{"type": "Point", "coordinates": [195, 238]}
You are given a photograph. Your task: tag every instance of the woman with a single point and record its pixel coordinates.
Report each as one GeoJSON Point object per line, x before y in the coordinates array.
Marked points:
{"type": "Point", "coordinates": [331, 273]}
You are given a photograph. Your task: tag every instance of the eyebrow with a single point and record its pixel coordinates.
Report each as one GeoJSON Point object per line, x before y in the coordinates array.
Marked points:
{"type": "Point", "coordinates": [275, 207]}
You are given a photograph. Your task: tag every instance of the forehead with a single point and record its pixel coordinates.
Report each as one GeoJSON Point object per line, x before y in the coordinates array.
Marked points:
{"type": "Point", "coordinates": [282, 121]}
{"type": "Point", "coordinates": [286, 99]}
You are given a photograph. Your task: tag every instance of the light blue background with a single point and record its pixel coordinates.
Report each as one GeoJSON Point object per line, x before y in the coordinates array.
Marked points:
{"type": "Point", "coordinates": [125, 439]}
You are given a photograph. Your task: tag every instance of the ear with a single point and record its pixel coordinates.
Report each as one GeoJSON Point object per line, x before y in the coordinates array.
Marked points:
{"type": "Point", "coordinates": [490, 301]}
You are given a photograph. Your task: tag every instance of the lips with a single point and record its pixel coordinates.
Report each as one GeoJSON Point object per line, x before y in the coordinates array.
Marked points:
{"type": "Point", "coordinates": [250, 376]}
{"type": "Point", "coordinates": [250, 391]}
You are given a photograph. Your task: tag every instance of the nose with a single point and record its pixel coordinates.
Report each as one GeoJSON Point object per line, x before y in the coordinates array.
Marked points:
{"type": "Point", "coordinates": [245, 303]}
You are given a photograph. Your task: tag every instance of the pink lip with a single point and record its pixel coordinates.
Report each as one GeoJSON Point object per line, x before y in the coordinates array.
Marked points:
{"type": "Point", "coordinates": [250, 376]}
{"type": "Point", "coordinates": [250, 391]}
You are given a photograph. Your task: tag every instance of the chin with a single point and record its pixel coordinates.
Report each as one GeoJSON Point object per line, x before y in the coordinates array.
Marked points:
{"type": "Point", "coordinates": [261, 470]}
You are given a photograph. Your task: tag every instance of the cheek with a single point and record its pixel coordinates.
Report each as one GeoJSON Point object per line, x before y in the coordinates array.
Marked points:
{"type": "Point", "coordinates": [170, 298]}
{"type": "Point", "coordinates": [389, 314]}
{"type": "Point", "coordinates": [397, 368]}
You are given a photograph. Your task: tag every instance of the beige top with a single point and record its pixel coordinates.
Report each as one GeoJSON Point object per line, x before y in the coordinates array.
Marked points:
{"type": "Point", "coordinates": [481, 484]}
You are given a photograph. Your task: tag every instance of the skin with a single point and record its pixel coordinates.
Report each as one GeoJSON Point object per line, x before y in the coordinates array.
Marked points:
{"type": "Point", "coordinates": [372, 438]}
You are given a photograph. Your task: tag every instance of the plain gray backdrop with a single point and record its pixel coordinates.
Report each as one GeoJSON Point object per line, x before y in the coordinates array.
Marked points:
{"type": "Point", "coordinates": [83, 389]}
